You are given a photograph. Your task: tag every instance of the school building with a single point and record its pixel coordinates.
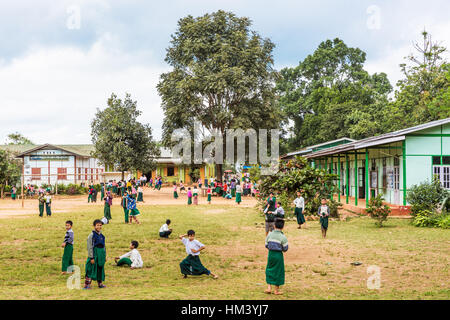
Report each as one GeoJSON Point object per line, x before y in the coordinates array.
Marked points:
{"type": "Point", "coordinates": [173, 170]}
{"type": "Point", "coordinates": [65, 164]}
{"type": "Point", "coordinates": [387, 164]}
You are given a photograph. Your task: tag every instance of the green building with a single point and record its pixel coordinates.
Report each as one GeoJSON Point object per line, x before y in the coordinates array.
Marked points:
{"type": "Point", "coordinates": [388, 164]}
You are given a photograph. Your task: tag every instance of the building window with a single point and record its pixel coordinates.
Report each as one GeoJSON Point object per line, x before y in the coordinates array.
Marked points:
{"type": "Point", "coordinates": [446, 160]}
{"type": "Point", "coordinates": [436, 160]}
{"type": "Point", "coordinates": [35, 173]}
{"type": "Point", "coordinates": [170, 171]}
{"type": "Point", "coordinates": [62, 173]}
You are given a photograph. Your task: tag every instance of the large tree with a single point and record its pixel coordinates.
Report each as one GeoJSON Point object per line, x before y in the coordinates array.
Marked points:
{"type": "Point", "coordinates": [10, 170]}
{"type": "Point", "coordinates": [120, 140]}
{"type": "Point", "coordinates": [322, 94]}
{"type": "Point", "coordinates": [422, 94]}
{"type": "Point", "coordinates": [222, 77]}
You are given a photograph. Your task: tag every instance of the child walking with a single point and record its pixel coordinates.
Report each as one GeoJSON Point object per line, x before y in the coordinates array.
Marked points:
{"type": "Point", "coordinates": [67, 258]}
{"type": "Point", "coordinates": [95, 263]}
{"type": "Point", "coordinates": [195, 195]}
{"type": "Point", "coordinates": [125, 205]}
{"type": "Point", "coordinates": [140, 197]}
{"type": "Point", "coordinates": [132, 258]}
{"type": "Point", "coordinates": [192, 265]}
{"type": "Point", "coordinates": [238, 193]}
{"type": "Point", "coordinates": [209, 194]}
{"type": "Point", "coordinates": [299, 203]}
{"type": "Point", "coordinates": [324, 213]}
{"type": "Point", "coordinates": [48, 204]}
{"type": "Point", "coordinates": [41, 200]}
{"type": "Point", "coordinates": [276, 243]}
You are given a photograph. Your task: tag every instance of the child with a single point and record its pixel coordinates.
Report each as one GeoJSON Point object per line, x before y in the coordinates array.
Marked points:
{"type": "Point", "coordinates": [134, 212]}
{"type": "Point", "coordinates": [269, 213]}
{"type": "Point", "coordinates": [164, 231]}
{"type": "Point", "coordinates": [48, 204]}
{"type": "Point", "coordinates": [228, 195]}
{"type": "Point", "coordinates": [13, 193]}
{"type": "Point", "coordinates": [132, 258]}
{"type": "Point", "coordinates": [195, 195]}
{"type": "Point", "coordinates": [175, 193]}
{"type": "Point", "coordinates": [41, 200]}
{"type": "Point", "coordinates": [279, 212]}
{"type": "Point", "coordinates": [125, 206]}
{"type": "Point", "coordinates": [238, 193]}
{"type": "Point", "coordinates": [324, 213]}
{"type": "Point", "coordinates": [192, 265]}
{"type": "Point", "coordinates": [276, 243]}
{"type": "Point", "coordinates": [140, 194]}
{"type": "Point", "coordinates": [67, 259]}
{"type": "Point", "coordinates": [182, 188]}
{"type": "Point", "coordinates": [95, 263]}
{"type": "Point", "coordinates": [189, 196]}
{"type": "Point", "coordinates": [108, 204]}
{"type": "Point", "coordinates": [299, 209]}
{"type": "Point", "coordinates": [90, 193]}
{"type": "Point", "coordinates": [209, 193]}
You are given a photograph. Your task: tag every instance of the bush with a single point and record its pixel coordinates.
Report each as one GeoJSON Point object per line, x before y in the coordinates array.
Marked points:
{"type": "Point", "coordinates": [426, 218]}
{"type": "Point", "coordinates": [378, 210]}
{"type": "Point", "coordinates": [426, 196]}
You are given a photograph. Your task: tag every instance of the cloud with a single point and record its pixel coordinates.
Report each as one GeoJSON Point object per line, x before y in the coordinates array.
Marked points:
{"type": "Point", "coordinates": [51, 93]}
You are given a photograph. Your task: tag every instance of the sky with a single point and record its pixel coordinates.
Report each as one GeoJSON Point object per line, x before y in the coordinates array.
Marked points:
{"type": "Point", "coordinates": [61, 60]}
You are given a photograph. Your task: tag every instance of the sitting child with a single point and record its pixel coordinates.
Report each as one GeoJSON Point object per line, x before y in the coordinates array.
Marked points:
{"type": "Point", "coordinates": [132, 258]}
{"type": "Point", "coordinates": [164, 231]}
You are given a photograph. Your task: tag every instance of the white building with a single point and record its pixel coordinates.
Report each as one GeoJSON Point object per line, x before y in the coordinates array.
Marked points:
{"type": "Point", "coordinates": [61, 164]}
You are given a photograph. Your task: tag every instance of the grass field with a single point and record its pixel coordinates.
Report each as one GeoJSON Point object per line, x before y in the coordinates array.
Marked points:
{"type": "Point", "coordinates": [414, 262]}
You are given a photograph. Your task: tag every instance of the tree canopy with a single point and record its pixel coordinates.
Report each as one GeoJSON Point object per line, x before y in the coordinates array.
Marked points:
{"type": "Point", "coordinates": [120, 140]}
{"type": "Point", "coordinates": [222, 77]}
{"type": "Point", "coordinates": [17, 138]}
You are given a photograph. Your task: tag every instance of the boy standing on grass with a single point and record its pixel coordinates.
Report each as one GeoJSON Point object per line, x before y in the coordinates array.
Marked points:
{"type": "Point", "coordinates": [276, 243]}
{"type": "Point", "coordinates": [41, 200]}
{"type": "Point", "coordinates": [125, 205]}
{"type": "Point", "coordinates": [67, 258]}
{"type": "Point", "coordinates": [95, 264]}
{"type": "Point", "coordinates": [48, 204]}
{"type": "Point", "coordinates": [175, 193]}
{"type": "Point", "coordinates": [164, 231]}
{"type": "Point", "coordinates": [324, 213]}
{"type": "Point", "coordinates": [132, 258]}
{"type": "Point", "coordinates": [192, 265]}
{"type": "Point", "coordinates": [108, 203]}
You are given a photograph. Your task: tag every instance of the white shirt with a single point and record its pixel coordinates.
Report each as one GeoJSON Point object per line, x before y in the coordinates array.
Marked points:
{"type": "Point", "coordinates": [135, 257]}
{"type": "Point", "coordinates": [238, 188]}
{"type": "Point", "coordinates": [164, 227]}
{"type": "Point", "coordinates": [300, 203]}
{"type": "Point", "coordinates": [194, 244]}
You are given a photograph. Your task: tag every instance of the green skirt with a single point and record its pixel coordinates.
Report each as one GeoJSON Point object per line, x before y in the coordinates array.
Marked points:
{"type": "Point", "coordinates": [41, 210]}
{"type": "Point", "coordinates": [189, 200]}
{"type": "Point", "coordinates": [233, 192]}
{"type": "Point", "coordinates": [238, 197]}
{"type": "Point", "coordinates": [13, 196]}
{"type": "Point", "coordinates": [275, 268]}
{"type": "Point", "coordinates": [126, 212]}
{"type": "Point", "coordinates": [48, 209]}
{"type": "Point", "coordinates": [175, 195]}
{"type": "Point", "coordinates": [115, 189]}
{"type": "Point", "coordinates": [299, 214]}
{"type": "Point", "coordinates": [140, 197]}
{"type": "Point", "coordinates": [123, 261]}
{"type": "Point", "coordinates": [134, 212]}
{"type": "Point", "coordinates": [324, 222]}
{"type": "Point", "coordinates": [192, 265]}
{"type": "Point", "coordinates": [107, 212]}
{"type": "Point", "coordinates": [209, 197]}
{"type": "Point", "coordinates": [67, 259]}
{"type": "Point", "coordinates": [96, 271]}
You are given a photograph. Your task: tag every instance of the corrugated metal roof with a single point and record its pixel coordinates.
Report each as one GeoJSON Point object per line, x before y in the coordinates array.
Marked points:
{"type": "Point", "coordinates": [378, 140]}
{"type": "Point", "coordinates": [311, 148]}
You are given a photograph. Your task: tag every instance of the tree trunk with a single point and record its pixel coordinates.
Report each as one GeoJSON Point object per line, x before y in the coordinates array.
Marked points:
{"type": "Point", "coordinates": [219, 172]}
{"type": "Point", "coordinates": [1, 193]}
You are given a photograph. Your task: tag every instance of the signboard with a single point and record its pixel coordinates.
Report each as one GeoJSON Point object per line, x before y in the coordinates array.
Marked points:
{"type": "Point", "coordinates": [49, 158]}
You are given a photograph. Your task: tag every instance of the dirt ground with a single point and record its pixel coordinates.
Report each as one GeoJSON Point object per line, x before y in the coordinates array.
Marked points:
{"type": "Point", "coordinates": [10, 208]}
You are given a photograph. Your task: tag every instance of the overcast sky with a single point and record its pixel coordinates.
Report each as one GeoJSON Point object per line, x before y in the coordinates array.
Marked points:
{"type": "Point", "coordinates": [60, 60]}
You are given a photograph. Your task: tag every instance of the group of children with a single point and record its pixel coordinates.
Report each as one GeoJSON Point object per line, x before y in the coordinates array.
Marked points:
{"type": "Point", "coordinates": [96, 254]}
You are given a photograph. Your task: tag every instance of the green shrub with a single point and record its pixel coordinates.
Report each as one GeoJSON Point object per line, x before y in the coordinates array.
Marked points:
{"type": "Point", "coordinates": [444, 221]}
{"type": "Point", "coordinates": [378, 210]}
{"type": "Point", "coordinates": [425, 218]}
{"type": "Point", "coordinates": [427, 196]}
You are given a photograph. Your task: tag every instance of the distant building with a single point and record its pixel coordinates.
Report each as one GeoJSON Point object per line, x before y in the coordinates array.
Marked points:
{"type": "Point", "coordinates": [307, 150]}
